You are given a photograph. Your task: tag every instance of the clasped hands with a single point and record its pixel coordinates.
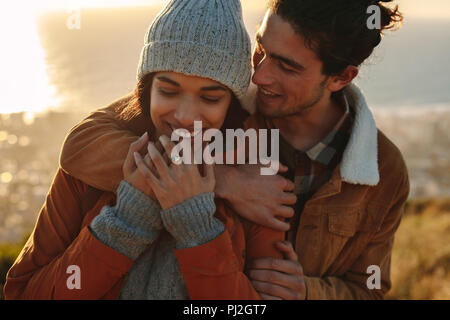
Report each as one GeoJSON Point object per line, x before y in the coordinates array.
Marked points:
{"type": "Point", "coordinates": [167, 183]}
{"type": "Point", "coordinates": [171, 184]}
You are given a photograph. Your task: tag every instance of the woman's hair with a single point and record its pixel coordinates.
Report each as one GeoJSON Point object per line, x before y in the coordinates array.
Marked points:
{"type": "Point", "coordinates": [337, 30]}
{"type": "Point", "coordinates": [138, 107]}
{"type": "Point", "coordinates": [140, 100]}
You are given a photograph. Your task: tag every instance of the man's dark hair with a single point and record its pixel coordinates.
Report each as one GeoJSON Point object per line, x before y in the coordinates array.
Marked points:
{"type": "Point", "coordinates": [337, 30]}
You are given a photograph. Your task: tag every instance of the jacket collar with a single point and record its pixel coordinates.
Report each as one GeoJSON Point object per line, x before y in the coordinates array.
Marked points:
{"type": "Point", "coordinates": [359, 163]}
{"type": "Point", "coordinates": [360, 159]}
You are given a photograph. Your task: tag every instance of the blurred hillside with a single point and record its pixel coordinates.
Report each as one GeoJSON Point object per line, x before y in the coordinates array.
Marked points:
{"type": "Point", "coordinates": [29, 148]}
{"type": "Point", "coordinates": [421, 255]}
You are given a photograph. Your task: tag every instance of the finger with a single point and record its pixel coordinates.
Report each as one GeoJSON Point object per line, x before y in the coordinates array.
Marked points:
{"type": "Point", "coordinates": [274, 290]}
{"type": "Point", "coordinates": [191, 167]}
{"type": "Point", "coordinates": [288, 198]}
{"type": "Point", "coordinates": [168, 147]}
{"type": "Point", "coordinates": [275, 277]}
{"type": "Point", "coordinates": [136, 146]}
{"type": "Point", "coordinates": [286, 248]}
{"type": "Point", "coordinates": [166, 159]}
{"type": "Point", "coordinates": [209, 172]}
{"type": "Point", "coordinates": [282, 168]}
{"type": "Point", "coordinates": [269, 263]}
{"type": "Point", "coordinates": [161, 150]}
{"type": "Point", "coordinates": [148, 162]}
{"type": "Point", "coordinates": [274, 223]}
{"type": "Point", "coordinates": [288, 185]}
{"type": "Point", "coordinates": [146, 172]}
{"type": "Point", "coordinates": [159, 147]}
{"type": "Point", "coordinates": [267, 163]}
{"type": "Point", "coordinates": [159, 163]}
{"type": "Point", "coordinates": [285, 212]}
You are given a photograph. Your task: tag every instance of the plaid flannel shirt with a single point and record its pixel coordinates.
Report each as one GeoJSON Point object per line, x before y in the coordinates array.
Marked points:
{"type": "Point", "coordinates": [313, 168]}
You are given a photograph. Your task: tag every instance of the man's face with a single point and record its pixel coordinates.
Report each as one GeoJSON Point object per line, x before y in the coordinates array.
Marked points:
{"type": "Point", "coordinates": [287, 73]}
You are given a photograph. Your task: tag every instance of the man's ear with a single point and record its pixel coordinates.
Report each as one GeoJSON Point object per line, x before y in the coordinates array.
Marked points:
{"type": "Point", "coordinates": [341, 80]}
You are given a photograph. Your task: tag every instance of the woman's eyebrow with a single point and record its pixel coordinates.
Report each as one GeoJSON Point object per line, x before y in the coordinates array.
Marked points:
{"type": "Point", "coordinates": [213, 88]}
{"type": "Point", "coordinates": [164, 79]}
{"type": "Point", "coordinates": [209, 88]}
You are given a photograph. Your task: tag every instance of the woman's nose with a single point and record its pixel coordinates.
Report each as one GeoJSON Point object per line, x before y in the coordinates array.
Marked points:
{"type": "Point", "coordinates": [186, 114]}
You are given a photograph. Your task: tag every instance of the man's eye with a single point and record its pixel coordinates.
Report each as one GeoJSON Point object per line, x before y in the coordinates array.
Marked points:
{"type": "Point", "coordinates": [288, 70]}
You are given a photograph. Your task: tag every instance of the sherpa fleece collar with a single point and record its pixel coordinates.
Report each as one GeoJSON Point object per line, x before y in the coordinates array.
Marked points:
{"type": "Point", "coordinates": [360, 159]}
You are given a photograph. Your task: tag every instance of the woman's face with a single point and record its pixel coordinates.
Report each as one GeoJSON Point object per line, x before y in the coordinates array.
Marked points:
{"type": "Point", "coordinates": [177, 100]}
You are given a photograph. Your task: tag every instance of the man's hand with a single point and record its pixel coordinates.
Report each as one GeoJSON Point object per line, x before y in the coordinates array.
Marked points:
{"type": "Point", "coordinates": [276, 279]}
{"type": "Point", "coordinates": [260, 199]}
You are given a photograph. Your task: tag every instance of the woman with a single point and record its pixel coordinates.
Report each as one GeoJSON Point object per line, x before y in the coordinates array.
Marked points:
{"type": "Point", "coordinates": [163, 236]}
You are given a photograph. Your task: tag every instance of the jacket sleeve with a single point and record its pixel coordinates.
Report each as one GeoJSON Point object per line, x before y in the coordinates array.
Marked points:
{"type": "Point", "coordinates": [80, 154]}
{"type": "Point", "coordinates": [210, 267]}
{"type": "Point", "coordinates": [354, 283]}
{"type": "Point", "coordinates": [44, 268]}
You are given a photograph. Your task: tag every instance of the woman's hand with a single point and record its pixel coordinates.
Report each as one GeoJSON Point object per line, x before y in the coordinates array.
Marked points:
{"type": "Point", "coordinates": [131, 173]}
{"type": "Point", "coordinates": [176, 182]}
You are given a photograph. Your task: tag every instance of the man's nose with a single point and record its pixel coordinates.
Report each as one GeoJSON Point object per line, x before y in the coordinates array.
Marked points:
{"type": "Point", "coordinates": [263, 74]}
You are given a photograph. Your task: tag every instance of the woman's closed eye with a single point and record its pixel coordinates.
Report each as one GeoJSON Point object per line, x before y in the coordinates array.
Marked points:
{"type": "Point", "coordinates": [168, 92]}
{"type": "Point", "coordinates": [211, 99]}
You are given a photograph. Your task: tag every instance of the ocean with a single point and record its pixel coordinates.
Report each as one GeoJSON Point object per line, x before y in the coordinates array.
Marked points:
{"type": "Point", "coordinates": [91, 66]}
{"type": "Point", "coordinates": [406, 83]}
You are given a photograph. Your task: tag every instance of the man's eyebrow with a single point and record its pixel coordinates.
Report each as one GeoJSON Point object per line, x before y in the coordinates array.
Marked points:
{"type": "Point", "coordinates": [288, 61]}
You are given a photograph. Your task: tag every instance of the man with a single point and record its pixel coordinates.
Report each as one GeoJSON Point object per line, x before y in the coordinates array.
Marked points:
{"type": "Point", "coordinates": [350, 181]}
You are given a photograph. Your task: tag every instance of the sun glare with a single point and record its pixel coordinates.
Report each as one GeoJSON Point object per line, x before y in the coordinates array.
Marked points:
{"type": "Point", "coordinates": [25, 85]}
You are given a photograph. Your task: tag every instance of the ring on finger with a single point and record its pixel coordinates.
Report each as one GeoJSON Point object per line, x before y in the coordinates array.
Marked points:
{"type": "Point", "coordinates": [176, 160]}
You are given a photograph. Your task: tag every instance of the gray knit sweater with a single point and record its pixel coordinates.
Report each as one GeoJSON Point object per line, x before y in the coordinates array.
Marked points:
{"type": "Point", "coordinates": [138, 228]}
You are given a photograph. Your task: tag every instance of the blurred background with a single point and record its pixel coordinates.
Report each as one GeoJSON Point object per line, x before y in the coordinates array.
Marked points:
{"type": "Point", "coordinates": [61, 60]}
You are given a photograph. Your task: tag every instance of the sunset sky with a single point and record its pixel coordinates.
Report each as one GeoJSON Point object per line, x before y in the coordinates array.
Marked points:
{"type": "Point", "coordinates": [429, 8]}
{"type": "Point", "coordinates": [24, 54]}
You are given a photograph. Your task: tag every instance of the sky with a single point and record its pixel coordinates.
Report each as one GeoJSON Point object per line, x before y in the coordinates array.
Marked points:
{"type": "Point", "coordinates": [24, 54]}
{"type": "Point", "coordinates": [422, 8]}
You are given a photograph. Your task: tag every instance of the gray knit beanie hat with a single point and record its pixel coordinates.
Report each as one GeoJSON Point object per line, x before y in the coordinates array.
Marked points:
{"type": "Point", "coordinates": [205, 38]}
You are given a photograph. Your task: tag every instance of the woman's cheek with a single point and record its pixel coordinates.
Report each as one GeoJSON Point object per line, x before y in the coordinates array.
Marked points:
{"type": "Point", "coordinates": [158, 102]}
{"type": "Point", "coordinates": [215, 115]}
{"type": "Point", "coordinates": [159, 107]}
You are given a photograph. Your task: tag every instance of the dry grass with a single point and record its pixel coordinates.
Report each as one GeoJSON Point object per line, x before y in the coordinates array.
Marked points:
{"type": "Point", "coordinates": [421, 255]}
